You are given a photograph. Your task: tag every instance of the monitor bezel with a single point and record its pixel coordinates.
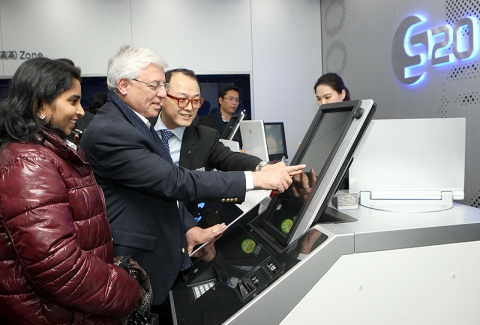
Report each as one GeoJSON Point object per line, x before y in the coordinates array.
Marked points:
{"type": "Point", "coordinates": [277, 156]}
{"type": "Point", "coordinates": [355, 113]}
{"type": "Point", "coordinates": [232, 126]}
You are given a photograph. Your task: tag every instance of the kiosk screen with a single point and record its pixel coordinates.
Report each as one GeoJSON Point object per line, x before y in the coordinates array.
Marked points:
{"type": "Point", "coordinates": [326, 150]}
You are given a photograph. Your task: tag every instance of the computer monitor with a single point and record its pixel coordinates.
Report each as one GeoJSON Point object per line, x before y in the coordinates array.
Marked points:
{"type": "Point", "coordinates": [253, 138]}
{"type": "Point", "coordinates": [327, 148]}
{"type": "Point", "coordinates": [276, 144]}
{"type": "Point", "coordinates": [232, 126]}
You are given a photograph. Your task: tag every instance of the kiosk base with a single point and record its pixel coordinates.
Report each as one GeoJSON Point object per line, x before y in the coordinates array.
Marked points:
{"type": "Point", "coordinates": [405, 205]}
{"type": "Point", "coordinates": [423, 285]}
{"type": "Point", "coordinates": [384, 268]}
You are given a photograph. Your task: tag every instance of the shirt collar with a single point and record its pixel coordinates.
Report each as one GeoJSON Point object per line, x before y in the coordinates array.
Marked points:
{"type": "Point", "coordinates": [178, 131]}
{"type": "Point", "coordinates": [145, 120]}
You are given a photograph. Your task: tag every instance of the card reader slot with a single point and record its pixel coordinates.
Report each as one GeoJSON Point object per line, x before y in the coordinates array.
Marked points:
{"type": "Point", "coordinates": [266, 273]}
{"type": "Point", "coordinates": [244, 288]}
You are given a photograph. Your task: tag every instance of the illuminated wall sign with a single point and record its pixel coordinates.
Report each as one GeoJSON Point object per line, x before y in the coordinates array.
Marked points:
{"type": "Point", "coordinates": [416, 47]}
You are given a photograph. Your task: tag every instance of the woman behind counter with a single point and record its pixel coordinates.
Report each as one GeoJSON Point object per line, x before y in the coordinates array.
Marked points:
{"type": "Point", "coordinates": [56, 250]}
{"type": "Point", "coordinates": [330, 88]}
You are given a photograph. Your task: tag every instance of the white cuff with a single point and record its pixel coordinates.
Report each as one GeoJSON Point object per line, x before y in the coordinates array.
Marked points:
{"type": "Point", "coordinates": [248, 180]}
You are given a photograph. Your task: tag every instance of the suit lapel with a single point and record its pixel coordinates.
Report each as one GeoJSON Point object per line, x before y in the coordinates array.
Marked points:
{"type": "Point", "coordinates": [187, 150]}
{"type": "Point", "coordinates": [128, 114]}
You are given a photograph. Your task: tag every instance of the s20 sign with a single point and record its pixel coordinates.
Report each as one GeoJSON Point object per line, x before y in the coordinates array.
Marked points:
{"type": "Point", "coordinates": [416, 47]}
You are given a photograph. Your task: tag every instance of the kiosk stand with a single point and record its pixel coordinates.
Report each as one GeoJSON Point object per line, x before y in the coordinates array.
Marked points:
{"type": "Point", "coordinates": [303, 262]}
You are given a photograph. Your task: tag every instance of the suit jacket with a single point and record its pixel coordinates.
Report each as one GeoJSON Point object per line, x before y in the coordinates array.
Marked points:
{"type": "Point", "coordinates": [214, 121]}
{"type": "Point", "coordinates": [141, 190]}
{"type": "Point", "coordinates": [201, 148]}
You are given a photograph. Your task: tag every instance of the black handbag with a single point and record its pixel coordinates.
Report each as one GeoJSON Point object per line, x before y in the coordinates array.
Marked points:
{"type": "Point", "coordinates": [141, 315]}
{"type": "Point", "coordinates": [138, 318]}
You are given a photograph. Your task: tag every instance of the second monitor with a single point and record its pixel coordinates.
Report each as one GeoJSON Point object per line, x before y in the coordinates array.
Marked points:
{"type": "Point", "coordinates": [253, 138]}
{"type": "Point", "coordinates": [265, 140]}
{"type": "Point", "coordinates": [276, 144]}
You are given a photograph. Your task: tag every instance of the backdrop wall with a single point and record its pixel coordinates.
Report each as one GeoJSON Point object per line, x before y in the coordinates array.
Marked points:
{"type": "Point", "coordinates": [278, 42]}
{"type": "Point", "coordinates": [432, 43]}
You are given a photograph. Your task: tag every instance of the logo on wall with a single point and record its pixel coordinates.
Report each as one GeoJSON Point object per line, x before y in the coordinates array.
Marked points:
{"type": "Point", "coordinates": [417, 48]}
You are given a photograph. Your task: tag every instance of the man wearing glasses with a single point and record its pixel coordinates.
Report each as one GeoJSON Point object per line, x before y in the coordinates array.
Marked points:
{"type": "Point", "coordinates": [228, 101]}
{"type": "Point", "coordinates": [142, 186]}
{"type": "Point", "coordinates": [196, 146]}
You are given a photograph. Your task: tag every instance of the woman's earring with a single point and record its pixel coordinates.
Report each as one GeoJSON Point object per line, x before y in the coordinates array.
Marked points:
{"type": "Point", "coordinates": [42, 116]}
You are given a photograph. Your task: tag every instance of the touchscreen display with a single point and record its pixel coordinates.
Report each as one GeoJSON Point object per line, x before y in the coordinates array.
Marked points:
{"type": "Point", "coordinates": [283, 215]}
{"type": "Point", "coordinates": [275, 137]}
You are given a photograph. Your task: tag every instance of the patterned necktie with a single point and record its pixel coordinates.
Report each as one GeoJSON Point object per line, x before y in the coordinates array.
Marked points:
{"type": "Point", "coordinates": [166, 134]}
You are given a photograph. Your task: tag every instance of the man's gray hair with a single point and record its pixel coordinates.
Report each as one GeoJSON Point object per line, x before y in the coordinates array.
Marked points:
{"type": "Point", "coordinates": [129, 62]}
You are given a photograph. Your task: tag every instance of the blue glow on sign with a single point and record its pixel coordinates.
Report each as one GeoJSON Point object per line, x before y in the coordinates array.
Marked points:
{"type": "Point", "coordinates": [414, 49]}
{"type": "Point", "coordinates": [420, 80]}
{"type": "Point", "coordinates": [408, 35]}
{"type": "Point", "coordinates": [469, 27]}
{"type": "Point", "coordinates": [441, 43]}
{"type": "Point", "coordinates": [463, 43]}
{"type": "Point", "coordinates": [423, 48]}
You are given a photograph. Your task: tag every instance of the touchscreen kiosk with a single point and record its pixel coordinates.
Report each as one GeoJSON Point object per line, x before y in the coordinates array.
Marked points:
{"type": "Point", "coordinates": [257, 252]}
{"type": "Point", "coordinates": [232, 126]}
{"type": "Point", "coordinates": [326, 149]}
{"type": "Point", "coordinates": [276, 144]}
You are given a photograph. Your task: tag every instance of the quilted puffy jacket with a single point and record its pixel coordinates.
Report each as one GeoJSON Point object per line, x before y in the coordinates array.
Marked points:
{"type": "Point", "coordinates": [55, 241]}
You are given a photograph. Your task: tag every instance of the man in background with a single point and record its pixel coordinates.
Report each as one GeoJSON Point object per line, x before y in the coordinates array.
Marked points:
{"type": "Point", "coordinates": [228, 101]}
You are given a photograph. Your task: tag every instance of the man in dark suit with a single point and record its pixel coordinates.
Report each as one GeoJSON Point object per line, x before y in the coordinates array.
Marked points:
{"type": "Point", "coordinates": [142, 186]}
{"type": "Point", "coordinates": [196, 146]}
{"type": "Point", "coordinates": [228, 101]}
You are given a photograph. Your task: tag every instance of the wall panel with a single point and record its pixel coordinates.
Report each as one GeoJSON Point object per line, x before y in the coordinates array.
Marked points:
{"type": "Point", "coordinates": [277, 42]}
{"type": "Point", "coordinates": [86, 31]}
{"type": "Point", "coordinates": [448, 90]}
{"type": "Point", "coordinates": [286, 64]}
{"type": "Point", "coordinates": [208, 36]}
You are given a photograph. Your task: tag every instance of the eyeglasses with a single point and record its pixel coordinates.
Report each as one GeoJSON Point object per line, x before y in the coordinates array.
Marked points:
{"type": "Point", "coordinates": [183, 102]}
{"type": "Point", "coordinates": [154, 87]}
{"type": "Point", "coordinates": [231, 99]}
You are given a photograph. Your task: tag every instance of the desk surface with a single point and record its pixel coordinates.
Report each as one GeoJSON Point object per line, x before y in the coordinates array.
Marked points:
{"type": "Point", "coordinates": [381, 230]}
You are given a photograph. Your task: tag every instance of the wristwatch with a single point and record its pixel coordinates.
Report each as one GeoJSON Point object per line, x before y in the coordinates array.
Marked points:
{"type": "Point", "coordinates": [262, 164]}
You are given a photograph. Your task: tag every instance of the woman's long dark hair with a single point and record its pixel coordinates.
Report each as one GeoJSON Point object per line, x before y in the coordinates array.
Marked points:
{"type": "Point", "coordinates": [35, 81]}
{"type": "Point", "coordinates": [335, 81]}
